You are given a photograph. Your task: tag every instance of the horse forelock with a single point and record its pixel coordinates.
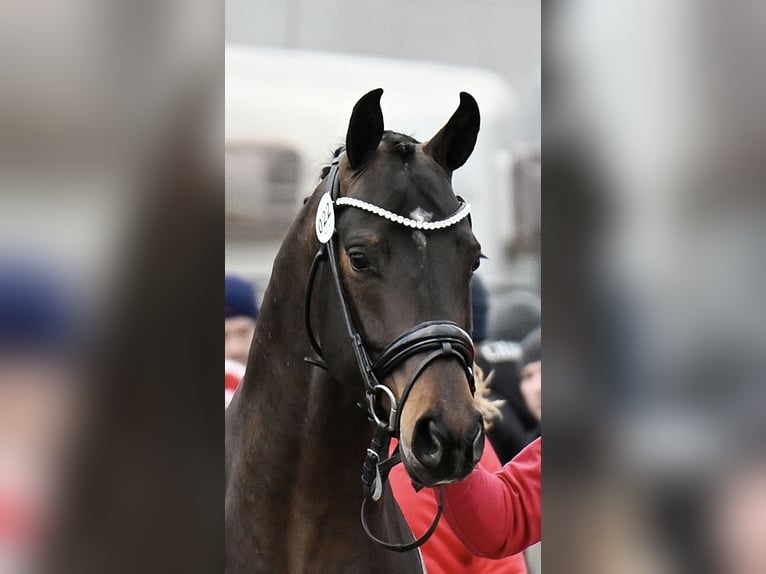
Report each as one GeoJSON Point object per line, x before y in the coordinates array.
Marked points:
{"type": "Point", "coordinates": [402, 144]}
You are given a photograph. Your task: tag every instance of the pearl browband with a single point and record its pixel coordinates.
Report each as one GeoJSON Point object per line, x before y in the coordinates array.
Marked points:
{"type": "Point", "coordinates": [459, 215]}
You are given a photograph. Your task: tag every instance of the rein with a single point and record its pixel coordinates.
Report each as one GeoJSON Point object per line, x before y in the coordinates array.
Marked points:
{"type": "Point", "coordinates": [435, 339]}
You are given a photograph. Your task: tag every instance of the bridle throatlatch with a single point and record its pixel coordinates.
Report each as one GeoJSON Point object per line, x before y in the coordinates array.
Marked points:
{"type": "Point", "coordinates": [432, 339]}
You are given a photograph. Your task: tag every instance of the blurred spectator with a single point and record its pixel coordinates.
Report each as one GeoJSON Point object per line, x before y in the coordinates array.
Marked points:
{"type": "Point", "coordinates": [497, 515]}
{"type": "Point", "coordinates": [38, 408]}
{"type": "Point", "coordinates": [239, 328]}
{"type": "Point", "coordinates": [530, 372]}
{"type": "Point", "coordinates": [514, 315]}
{"type": "Point", "coordinates": [233, 373]}
{"type": "Point", "coordinates": [738, 519]}
{"type": "Point", "coordinates": [241, 313]}
{"type": "Point", "coordinates": [484, 493]}
{"type": "Point", "coordinates": [36, 315]}
{"type": "Point", "coordinates": [443, 553]}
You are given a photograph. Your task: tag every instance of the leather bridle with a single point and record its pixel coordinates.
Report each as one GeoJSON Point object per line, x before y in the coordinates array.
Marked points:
{"type": "Point", "coordinates": [434, 339]}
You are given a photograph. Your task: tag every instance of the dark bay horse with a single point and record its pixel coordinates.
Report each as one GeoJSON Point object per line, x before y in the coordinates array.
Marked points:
{"type": "Point", "coordinates": [398, 258]}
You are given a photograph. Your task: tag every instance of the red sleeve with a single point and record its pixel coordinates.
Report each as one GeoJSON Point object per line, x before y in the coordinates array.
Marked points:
{"type": "Point", "coordinates": [496, 515]}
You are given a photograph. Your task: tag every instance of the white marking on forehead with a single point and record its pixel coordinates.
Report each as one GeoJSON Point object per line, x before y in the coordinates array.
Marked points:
{"type": "Point", "coordinates": [421, 216]}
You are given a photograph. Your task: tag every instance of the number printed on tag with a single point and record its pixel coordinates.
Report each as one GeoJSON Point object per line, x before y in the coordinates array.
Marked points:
{"type": "Point", "coordinates": [325, 219]}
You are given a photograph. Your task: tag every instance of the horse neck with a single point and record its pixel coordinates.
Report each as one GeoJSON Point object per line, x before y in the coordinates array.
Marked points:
{"type": "Point", "coordinates": [305, 428]}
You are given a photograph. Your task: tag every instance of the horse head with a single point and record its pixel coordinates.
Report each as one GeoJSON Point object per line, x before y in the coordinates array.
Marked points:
{"type": "Point", "coordinates": [398, 273]}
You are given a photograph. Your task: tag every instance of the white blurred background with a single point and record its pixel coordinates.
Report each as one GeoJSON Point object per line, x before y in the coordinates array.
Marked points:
{"type": "Point", "coordinates": [294, 71]}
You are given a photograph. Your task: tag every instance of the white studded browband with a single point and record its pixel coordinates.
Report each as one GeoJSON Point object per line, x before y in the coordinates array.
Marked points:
{"type": "Point", "coordinates": [459, 215]}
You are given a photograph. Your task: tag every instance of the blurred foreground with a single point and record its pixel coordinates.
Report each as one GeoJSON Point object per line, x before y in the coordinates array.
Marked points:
{"type": "Point", "coordinates": [110, 208]}
{"type": "Point", "coordinates": [655, 278]}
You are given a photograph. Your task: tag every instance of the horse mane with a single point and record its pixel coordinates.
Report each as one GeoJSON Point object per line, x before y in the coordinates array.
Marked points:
{"type": "Point", "coordinates": [403, 144]}
{"type": "Point", "coordinates": [326, 168]}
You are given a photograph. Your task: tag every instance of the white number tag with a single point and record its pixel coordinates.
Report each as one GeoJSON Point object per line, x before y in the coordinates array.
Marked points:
{"type": "Point", "coordinates": [325, 219]}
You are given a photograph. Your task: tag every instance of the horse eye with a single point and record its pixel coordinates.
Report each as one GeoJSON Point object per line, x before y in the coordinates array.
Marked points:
{"type": "Point", "coordinates": [359, 261]}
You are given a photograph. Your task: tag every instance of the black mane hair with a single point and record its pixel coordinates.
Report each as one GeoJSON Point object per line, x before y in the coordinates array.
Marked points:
{"type": "Point", "coordinates": [401, 143]}
{"type": "Point", "coordinates": [326, 169]}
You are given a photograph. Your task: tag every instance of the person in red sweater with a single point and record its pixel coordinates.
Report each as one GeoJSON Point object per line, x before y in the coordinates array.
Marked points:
{"type": "Point", "coordinates": [494, 514]}
{"type": "Point", "coordinates": [443, 553]}
{"type": "Point", "coordinates": [498, 514]}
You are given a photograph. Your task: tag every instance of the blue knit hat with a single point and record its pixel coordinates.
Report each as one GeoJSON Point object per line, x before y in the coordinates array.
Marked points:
{"type": "Point", "coordinates": [240, 298]}
{"type": "Point", "coordinates": [37, 310]}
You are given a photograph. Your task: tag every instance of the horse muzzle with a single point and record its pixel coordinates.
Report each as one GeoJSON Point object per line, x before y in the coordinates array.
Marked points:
{"type": "Point", "coordinates": [438, 454]}
{"type": "Point", "coordinates": [441, 434]}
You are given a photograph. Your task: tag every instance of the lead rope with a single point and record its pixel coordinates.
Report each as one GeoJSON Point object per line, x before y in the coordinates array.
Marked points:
{"type": "Point", "coordinates": [374, 476]}
{"type": "Point", "coordinates": [375, 472]}
{"type": "Point", "coordinates": [415, 543]}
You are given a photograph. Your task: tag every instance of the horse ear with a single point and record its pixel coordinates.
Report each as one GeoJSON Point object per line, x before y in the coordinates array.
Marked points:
{"type": "Point", "coordinates": [453, 144]}
{"type": "Point", "coordinates": [365, 129]}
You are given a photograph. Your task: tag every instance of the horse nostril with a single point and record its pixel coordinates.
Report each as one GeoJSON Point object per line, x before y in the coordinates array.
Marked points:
{"type": "Point", "coordinates": [428, 442]}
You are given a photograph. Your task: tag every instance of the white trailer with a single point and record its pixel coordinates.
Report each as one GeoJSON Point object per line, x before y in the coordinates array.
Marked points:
{"type": "Point", "coordinates": [287, 110]}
